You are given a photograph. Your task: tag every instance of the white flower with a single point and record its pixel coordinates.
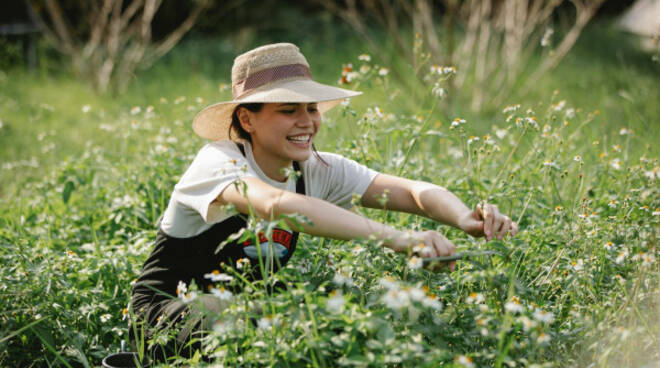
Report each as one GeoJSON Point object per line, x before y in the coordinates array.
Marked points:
{"type": "Point", "coordinates": [105, 317]}
{"type": "Point", "coordinates": [396, 299]}
{"type": "Point", "coordinates": [457, 122]}
{"type": "Point", "coordinates": [624, 131]}
{"type": "Point", "coordinates": [135, 110]}
{"type": "Point", "coordinates": [656, 212]}
{"type": "Point", "coordinates": [463, 360]}
{"type": "Point", "coordinates": [570, 113]}
{"type": "Point", "coordinates": [221, 293]}
{"type": "Point", "coordinates": [543, 338]}
{"type": "Point", "coordinates": [86, 108]}
{"type": "Point", "coordinates": [514, 306]}
{"type": "Point", "coordinates": [476, 298]}
{"type": "Point", "coordinates": [342, 279]}
{"type": "Point", "coordinates": [416, 293]}
{"type": "Point", "coordinates": [616, 164]}
{"type": "Point", "coordinates": [613, 203]}
{"type": "Point", "coordinates": [527, 323]}
{"type": "Point", "coordinates": [415, 262]}
{"type": "Point", "coordinates": [472, 139]}
{"type": "Point", "coordinates": [501, 133]}
{"type": "Point", "coordinates": [188, 297]}
{"type": "Point", "coordinates": [242, 262]}
{"type": "Point", "coordinates": [383, 72]}
{"type": "Point", "coordinates": [577, 158]}
{"type": "Point", "coordinates": [609, 245]}
{"type": "Point", "coordinates": [648, 259]}
{"type": "Point", "coordinates": [216, 276]}
{"type": "Point", "coordinates": [511, 108]}
{"type": "Point", "coordinates": [265, 322]}
{"type": "Point", "coordinates": [550, 163]}
{"type": "Point", "coordinates": [181, 288]}
{"type": "Point", "coordinates": [335, 304]}
{"type": "Point", "coordinates": [389, 283]}
{"type": "Point", "coordinates": [621, 256]}
{"type": "Point", "coordinates": [543, 316]}
{"type": "Point", "coordinates": [577, 266]}
{"type": "Point", "coordinates": [364, 57]}
{"type": "Point", "coordinates": [221, 327]}
{"type": "Point", "coordinates": [431, 301]}
{"type": "Point", "coordinates": [653, 174]}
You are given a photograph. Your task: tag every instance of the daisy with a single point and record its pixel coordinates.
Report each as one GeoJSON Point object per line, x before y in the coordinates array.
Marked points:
{"type": "Point", "coordinates": [514, 305]}
{"type": "Point", "coordinates": [543, 316]}
{"type": "Point", "coordinates": [216, 276]}
{"type": "Point", "coordinates": [335, 304]}
{"type": "Point", "coordinates": [463, 360]}
{"type": "Point", "coordinates": [221, 293]}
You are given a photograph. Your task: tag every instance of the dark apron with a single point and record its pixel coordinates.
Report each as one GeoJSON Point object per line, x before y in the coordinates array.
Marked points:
{"type": "Point", "coordinates": [185, 259]}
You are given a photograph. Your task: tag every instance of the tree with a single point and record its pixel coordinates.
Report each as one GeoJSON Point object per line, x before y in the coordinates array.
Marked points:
{"type": "Point", "coordinates": [115, 40]}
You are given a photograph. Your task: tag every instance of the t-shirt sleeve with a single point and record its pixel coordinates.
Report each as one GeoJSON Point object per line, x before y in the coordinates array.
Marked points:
{"type": "Point", "coordinates": [345, 178]}
{"type": "Point", "coordinates": [216, 166]}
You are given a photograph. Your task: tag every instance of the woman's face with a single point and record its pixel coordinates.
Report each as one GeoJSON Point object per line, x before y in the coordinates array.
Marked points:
{"type": "Point", "coordinates": [282, 132]}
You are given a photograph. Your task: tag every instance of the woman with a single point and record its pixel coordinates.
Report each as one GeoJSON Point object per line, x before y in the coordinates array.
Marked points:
{"type": "Point", "coordinates": [259, 137]}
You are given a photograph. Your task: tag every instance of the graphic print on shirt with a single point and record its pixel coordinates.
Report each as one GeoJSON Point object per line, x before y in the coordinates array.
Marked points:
{"type": "Point", "coordinates": [281, 245]}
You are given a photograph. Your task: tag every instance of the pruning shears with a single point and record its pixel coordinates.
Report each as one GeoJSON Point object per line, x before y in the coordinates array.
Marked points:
{"type": "Point", "coordinates": [466, 256]}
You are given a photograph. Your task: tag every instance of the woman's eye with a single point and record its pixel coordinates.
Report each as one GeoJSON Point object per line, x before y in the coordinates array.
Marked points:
{"type": "Point", "coordinates": [312, 109]}
{"type": "Point", "coordinates": [287, 111]}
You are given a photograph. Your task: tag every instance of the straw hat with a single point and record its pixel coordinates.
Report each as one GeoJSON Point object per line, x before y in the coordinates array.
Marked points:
{"type": "Point", "coordinates": [271, 73]}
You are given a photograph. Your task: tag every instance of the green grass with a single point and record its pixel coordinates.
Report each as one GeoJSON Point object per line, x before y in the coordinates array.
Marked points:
{"type": "Point", "coordinates": [78, 221]}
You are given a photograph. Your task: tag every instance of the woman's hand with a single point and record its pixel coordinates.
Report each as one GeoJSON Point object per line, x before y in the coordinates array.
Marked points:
{"type": "Point", "coordinates": [427, 244]}
{"type": "Point", "coordinates": [486, 220]}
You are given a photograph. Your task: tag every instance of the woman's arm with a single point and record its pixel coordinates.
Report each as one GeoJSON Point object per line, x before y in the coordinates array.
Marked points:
{"type": "Point", "coordinates": [439, 204]}
{"type": "Point", "coordinates": [327, 219]}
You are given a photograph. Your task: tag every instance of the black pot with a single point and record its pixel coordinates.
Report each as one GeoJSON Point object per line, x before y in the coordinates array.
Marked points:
{"type": "Point", "coordinates": [125, 360]}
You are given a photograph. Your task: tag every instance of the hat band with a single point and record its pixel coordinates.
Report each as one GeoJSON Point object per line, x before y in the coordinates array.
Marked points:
{"type": "Point", "coordinates": [270, 75]}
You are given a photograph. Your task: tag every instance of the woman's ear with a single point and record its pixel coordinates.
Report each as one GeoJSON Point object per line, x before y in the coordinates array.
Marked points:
{"type": "Point", "coordinates": [244, 117]}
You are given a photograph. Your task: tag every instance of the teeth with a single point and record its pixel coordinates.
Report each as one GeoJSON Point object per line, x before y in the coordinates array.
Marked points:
{"type": "Point", "coordinates": [300, 138]}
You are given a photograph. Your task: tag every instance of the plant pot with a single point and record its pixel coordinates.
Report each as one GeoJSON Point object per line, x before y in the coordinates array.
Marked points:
{"type": "Point", "coordinates": [125, 360]}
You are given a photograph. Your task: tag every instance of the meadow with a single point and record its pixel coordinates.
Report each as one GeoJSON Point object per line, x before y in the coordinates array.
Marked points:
{"type": "Point", "coordinates": [84, 179]}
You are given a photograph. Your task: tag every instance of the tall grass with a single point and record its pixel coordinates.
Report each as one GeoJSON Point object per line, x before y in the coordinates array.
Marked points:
{"type": "Point", "coordinates": [578, 169]}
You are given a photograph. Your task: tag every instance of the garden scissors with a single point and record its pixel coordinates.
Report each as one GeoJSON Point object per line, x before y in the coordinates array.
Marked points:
{"type": "Point", "coordinates": [467, 256]}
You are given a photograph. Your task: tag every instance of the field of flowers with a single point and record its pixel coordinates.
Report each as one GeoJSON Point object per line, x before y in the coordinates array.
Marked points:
{"type": "Point", "coordinates": [578, 286]}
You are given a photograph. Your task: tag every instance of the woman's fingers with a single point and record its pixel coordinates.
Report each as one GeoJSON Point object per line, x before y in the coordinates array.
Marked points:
{"type": "Point", "coordinates": [505, 228]}
{"type": "Point", "coordinates": [489, 218]}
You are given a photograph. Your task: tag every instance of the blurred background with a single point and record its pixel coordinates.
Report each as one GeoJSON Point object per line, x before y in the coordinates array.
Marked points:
{"type": "Point", "coordinates": [66, 66]}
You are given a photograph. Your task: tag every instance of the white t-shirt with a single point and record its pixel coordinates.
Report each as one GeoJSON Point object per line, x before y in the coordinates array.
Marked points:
{"type": "Point", "coordinates": [191, 210]}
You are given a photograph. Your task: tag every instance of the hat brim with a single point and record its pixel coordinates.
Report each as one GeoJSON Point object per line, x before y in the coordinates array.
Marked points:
{"type": "Point", "coordinates": [213, 121]}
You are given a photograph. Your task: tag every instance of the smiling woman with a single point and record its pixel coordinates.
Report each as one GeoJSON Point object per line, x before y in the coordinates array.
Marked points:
{"type": "Point", "coordinates": [266, 132]}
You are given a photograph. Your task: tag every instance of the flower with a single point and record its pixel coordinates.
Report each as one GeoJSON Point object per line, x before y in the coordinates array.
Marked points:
{"type": "Point", "coordinates": [543, 316]}
{"type": "Point", "coordinates": [609, 245]}
{"type": "Point", "coordinates": [472, 139]}
{"type": "Point", "coordinates": [383, 71]}
{"type": "Point", "coordinates": [105, 317]}
{"type": "Point", "coordinates": [415, 262]}
{"type": "Point", "coordinates": [656, 212]}
{"type": "Point", "coordinates": [457, 122]}
{"type": "Point", "coordinates": [616, 164]}
{"type": "Point", "coordinates": [653, 174]}
{"type": "Point", "coordinates": [625, 131]}
{"type": "Point", "coordinates": [389, 283]}
{"type": "Point", "coordinates": [188, 297]}
{"type": "Point", "coordinates": [86, 108]}
{"type": "Point", "coordinates": [577, 266]}
{"type": "Point", "coordinates": [475, 298]}
{"type": "Point", "coordinates": [464, 360]}
{"type": "Point", "coordinates": [527, 323]}
{"type": "Point", "coordinates": [335, 304]}
{"type": "Point", "coordinates": [550, 163]}
{"type": "Point", "coordinates": [514, 305]}
{"type": "Point", "coordinates": [135, 110]}
{"type": "Point", "coordinates": [396, 299]}
{"type": "Point", "coordinates": [342, 279]}
{"type": "Point", "coordinates": [265, 322]}
{"type": "Point", "coordinates": [431, 301]}
{"type": "Point", "coordinates": [221, 293]}
{"type": "Point", "coordinates": [621, 256]}
{"type": "Point", "coordinates": [181, 288]}
{"type": "Point", "coordinates": [364, 57]}
{"type": "Point", "coordinates": [577, 158]}
{"type": "Point", "coordinates": [216, 276]}
{"type": "Point", "coordinates": [613, 203]}
{"type": "Point", "coordinates": [543, 338]}
{"type": "Point", "coordinates": [242, 262]}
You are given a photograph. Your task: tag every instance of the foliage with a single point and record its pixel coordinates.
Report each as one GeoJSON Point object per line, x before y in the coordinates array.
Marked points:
{"type": "Point", "coordinates": [577, 286]}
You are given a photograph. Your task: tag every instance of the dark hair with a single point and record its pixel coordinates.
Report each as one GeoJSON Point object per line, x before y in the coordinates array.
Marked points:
{"type": "Point", "coordinates": [236, 127]}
